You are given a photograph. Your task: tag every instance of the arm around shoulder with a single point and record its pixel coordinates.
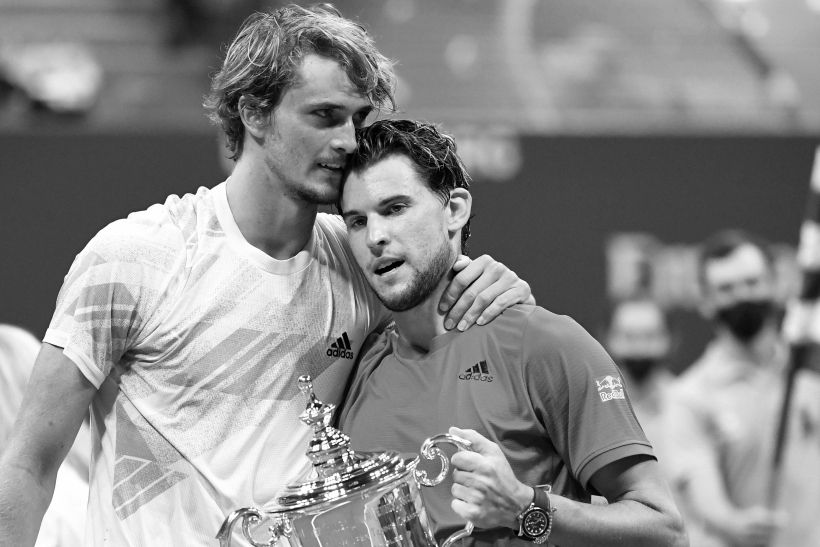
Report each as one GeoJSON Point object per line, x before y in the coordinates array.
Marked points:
{"type": "Point", "coordinates": [56, 400]}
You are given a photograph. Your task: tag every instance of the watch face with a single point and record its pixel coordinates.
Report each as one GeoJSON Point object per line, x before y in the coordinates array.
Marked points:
{"type": "Point", "coordinates": [536, 522]}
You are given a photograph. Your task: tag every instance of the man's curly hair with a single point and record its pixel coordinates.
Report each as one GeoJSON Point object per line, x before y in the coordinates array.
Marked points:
{"type": "Point", "coordinates": [262, 62]}
{"type": "Point", "coordinates": [432, 153]}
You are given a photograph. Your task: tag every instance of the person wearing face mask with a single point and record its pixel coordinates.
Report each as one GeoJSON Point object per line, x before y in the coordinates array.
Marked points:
{"type": "Point", "coordinates": [638, 340]}
{"type": "Point", "coordinates": [722, 412]}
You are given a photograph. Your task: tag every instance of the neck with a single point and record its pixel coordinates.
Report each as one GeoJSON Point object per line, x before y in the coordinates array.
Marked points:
{"type": "Point", "coordinates": [270, 220]}
{"type": "Point", "coordinates": [760, 349]}
{"type": "Point", "coordinates": [418, 326]}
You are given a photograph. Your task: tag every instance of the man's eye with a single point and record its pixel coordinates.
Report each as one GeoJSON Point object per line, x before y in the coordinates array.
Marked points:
{"type": "Point", "coordinates": [397, 208]}
{"type": "Point", "coordinates": [323, 113]}
{"type": "Point", "coordinates": [356, 223]}
{"type": "Point", "coordinates": [358, 120]}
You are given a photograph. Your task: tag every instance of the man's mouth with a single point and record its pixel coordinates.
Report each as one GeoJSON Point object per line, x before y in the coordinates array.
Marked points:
{"type": "Point", "coordinates": [333, 166]}
{"type": "Point", "coordinates": [388, 267]}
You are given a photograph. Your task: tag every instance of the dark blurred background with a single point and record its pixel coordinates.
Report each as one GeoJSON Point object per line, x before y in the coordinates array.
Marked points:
{"type": "Point", "coordinates": [606, 139]}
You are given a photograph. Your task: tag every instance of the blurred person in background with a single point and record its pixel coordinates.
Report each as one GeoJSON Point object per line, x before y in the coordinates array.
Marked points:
{"type": "Point", "coordinates": [638, 340]}
{"type": "Point", "coordinates": [723, 411]}
{"type": "Point", "coordinates": [64, 522]}
{"type": "Point", "coordinates": [185, 326]}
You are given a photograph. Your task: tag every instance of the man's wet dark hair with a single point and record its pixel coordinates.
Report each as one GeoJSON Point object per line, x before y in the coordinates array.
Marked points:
{"type": "Point", "coordinates": [432, 153]}
{"type": "Point", "coordinates": [724, 243]}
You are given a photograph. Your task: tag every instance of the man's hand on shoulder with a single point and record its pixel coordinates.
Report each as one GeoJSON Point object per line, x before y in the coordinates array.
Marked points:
{"type": "Point", "coordinates": [485, 489]}
{"type": "Point", "coordinates": [480, 291]}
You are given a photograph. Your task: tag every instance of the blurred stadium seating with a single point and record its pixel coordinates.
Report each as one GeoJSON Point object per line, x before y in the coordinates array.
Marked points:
{"type": "Point", "coordinates": [563, 66]}
{"type": "Point", "coordinates": [148, 85]}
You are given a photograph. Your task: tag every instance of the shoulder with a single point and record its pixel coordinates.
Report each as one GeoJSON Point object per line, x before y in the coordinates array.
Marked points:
{"type": "Point", "coordinates": [334, 252]}
{"type": "Point", "coordinates": [541, 328]}
{"type": "Point", "coordinates": [332, 226]}
{"type": "Point", "coordinates": [330, 234]}
{"type": "Point", "coordinates": [161, 227]}
{"type": "Point", "coordinates": [554, 327]}
{"type": "Point", "coordinates": [147, 247]}
{"type": "Point", "coordinates": [374, 349]}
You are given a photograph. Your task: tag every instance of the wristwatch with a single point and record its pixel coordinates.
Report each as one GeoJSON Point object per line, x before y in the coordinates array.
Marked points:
{"type": "Point", "coordinates": [535, 522]}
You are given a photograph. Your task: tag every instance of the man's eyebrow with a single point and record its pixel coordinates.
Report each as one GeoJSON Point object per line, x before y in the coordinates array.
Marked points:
{"type": "Point", "coordinates": [325, 104]}
{"type": "Point", "coordinates": [382, 203]}
{"type": "Point", "coordinates": [337, 106]}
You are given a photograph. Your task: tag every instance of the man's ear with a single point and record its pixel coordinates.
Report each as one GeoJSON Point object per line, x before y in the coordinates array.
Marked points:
{"type": "Point", "coordinates": [459, 208]}
{"type": "Point", "coordinates": [254, 121]}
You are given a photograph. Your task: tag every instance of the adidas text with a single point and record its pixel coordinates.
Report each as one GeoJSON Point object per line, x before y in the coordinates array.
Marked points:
{"type": "Point", "coordinates": [479, 373]}
{"type": "Point", "coordinates": [341, 348]}
{"type": "Point", "coordinates": [476, 377]}
{"type": "Point", "coordinates": [339, 353]}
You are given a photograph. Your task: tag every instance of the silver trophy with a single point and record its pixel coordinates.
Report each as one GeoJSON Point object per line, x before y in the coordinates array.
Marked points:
{"type": "Point", "coordinates": [349, 499]}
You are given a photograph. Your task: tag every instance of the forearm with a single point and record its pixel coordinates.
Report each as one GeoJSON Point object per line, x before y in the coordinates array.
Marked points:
{"type": "Point", "coordinates": [23, 502]}
{"type": "Point", "coordinates": [57, 398]}
{"type": "Point", "coordinates": [641, 511]}
{"type": "Point", "coordinates": [627, 522]}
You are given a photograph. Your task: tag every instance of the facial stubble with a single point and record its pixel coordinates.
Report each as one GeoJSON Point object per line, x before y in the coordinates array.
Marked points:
{"type": "Point", "coordinates": [423, 283]}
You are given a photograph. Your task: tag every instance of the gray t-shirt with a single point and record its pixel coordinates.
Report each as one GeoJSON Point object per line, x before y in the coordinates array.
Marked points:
{"type": "Point", "coordinates": [535, 383]}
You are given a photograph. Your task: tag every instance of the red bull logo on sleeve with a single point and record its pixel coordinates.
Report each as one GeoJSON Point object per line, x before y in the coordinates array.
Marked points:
{"type": "Point", "coordinates": [610, 387]}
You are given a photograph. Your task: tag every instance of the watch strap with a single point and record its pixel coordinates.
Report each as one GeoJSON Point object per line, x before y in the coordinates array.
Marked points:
{"type": "Point", "coordinates": [542, 501]}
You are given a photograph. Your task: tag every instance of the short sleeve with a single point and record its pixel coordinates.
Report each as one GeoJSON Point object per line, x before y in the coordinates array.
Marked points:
{"type": "Point", "coordinates": [578, 393]}
{"type": "Point", "coordinates": [115, 291]}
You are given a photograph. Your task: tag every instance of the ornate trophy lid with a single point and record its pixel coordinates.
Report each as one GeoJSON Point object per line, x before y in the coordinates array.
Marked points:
{"type": "Point", "coordinates": [337, 471]}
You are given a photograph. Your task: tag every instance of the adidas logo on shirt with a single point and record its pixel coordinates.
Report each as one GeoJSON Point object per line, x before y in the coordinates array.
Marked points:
{"type": "Point", "coordinates": [477, 372]}
{"type": "Point", "coordinates": [340, 348]}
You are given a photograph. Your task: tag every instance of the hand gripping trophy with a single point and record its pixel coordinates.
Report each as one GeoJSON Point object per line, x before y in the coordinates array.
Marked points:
{"type": "Point", "coordinates": [349, 499]}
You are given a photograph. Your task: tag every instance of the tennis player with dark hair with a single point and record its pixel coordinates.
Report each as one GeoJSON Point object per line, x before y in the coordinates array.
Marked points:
{"type": "Point", "coordinates": [185, 326]}
{"type": "Point", "coordinates": [540, 400]}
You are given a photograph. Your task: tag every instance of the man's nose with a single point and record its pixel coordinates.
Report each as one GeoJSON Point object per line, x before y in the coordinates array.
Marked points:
{"type": "Point", "coordinates": [344, 140]}
{"type": "Point", "coordinates": [748, 290]}
{"type": "Point", "coordinates": [376, 234]}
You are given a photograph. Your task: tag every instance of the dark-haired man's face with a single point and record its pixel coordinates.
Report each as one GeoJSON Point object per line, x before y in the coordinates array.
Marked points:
{"type": "Point", "coordinates": [400, 232]}
{"type": "Point", "coordinates": [739, 290]}
{"type": "Point", "coordinates": [743, 274]}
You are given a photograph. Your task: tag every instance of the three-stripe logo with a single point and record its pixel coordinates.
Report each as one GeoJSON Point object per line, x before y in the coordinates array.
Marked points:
{"type": "Point", "coordinates": [478, 372]}
{"type": "Point", "coordinates": [341, 348]}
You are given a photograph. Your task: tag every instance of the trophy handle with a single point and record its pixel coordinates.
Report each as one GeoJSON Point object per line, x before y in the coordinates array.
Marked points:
{"type": "Point", "coordinates": [248, 516]}
{"type": "Point", "coordinates": [430, 451]}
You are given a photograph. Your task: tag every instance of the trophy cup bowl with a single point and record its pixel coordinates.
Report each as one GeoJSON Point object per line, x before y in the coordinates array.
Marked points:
{"type": "Point", "coordinates": [349, 499]}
